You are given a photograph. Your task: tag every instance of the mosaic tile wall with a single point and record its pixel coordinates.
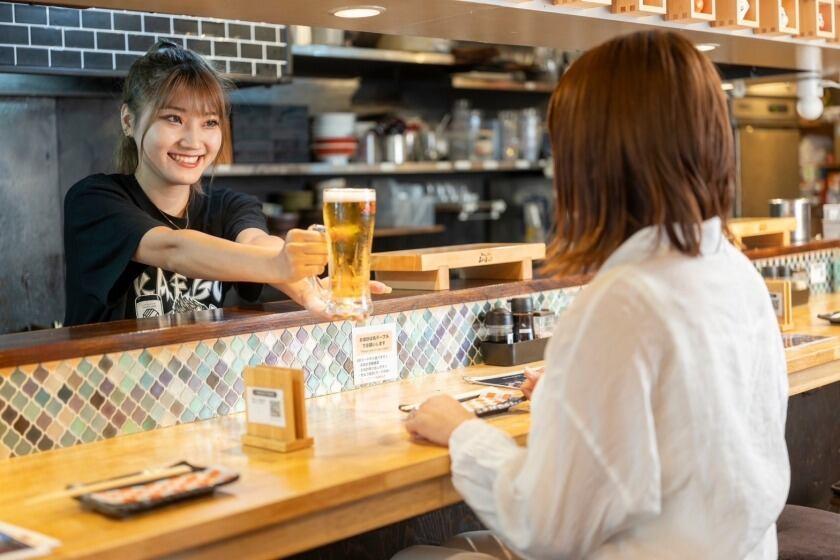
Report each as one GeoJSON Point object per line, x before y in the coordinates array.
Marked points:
{"type": "Point", "coordinates": [59, 404]}
{"type": "Point", "coordinates": [829, 258]}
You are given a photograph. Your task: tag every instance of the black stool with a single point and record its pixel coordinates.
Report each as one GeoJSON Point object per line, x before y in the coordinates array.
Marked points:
{"type": "Point", "coordinates": [808, 534]}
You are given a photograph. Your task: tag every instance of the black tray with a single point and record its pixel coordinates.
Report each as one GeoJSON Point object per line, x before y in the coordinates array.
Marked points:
{"type": "Point", "coordinates": [501, 354]}
{"type": "Point", "coordinates": [833, 317]}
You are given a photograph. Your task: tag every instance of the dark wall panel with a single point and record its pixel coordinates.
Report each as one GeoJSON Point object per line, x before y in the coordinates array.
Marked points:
{"type": "Point", "coordinates": [31, 275]}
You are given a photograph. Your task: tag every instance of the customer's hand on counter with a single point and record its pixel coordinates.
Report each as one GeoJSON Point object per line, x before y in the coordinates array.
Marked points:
{"type": "Point", "coordinates": [532, 376]}
{"type": "Point", "coordinates": [436, 419]}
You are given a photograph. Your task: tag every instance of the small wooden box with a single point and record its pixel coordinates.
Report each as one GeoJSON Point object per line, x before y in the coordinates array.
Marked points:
{"type": "Point", "coordinates": [771, 21]}
{"type": "Point", "coordinates": [728, 15]}
{"type": "Point", "coordinates": [691, 11]}
{"type": "Point", "coordinates": [817, 19]}
{"type": "Point", "coordinates": [639, 8]}
{"type": "Point", "coordinates": [275, 407]}
{"type": "Point", "coordinates": [762, 232]}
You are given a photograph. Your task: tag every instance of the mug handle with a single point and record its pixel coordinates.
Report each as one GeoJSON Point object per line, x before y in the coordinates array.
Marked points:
{"type": "Point", "coordinates": [314, 281]}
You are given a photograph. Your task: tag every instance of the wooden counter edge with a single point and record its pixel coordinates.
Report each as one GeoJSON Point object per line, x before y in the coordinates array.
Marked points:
{"type": "Point", "coordinates": [119, 336]}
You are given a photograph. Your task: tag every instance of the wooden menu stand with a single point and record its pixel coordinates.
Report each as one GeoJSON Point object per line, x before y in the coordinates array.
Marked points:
{"type": "Point", "coordinates": [275, 408]}
{"type": "Point", "coordinates": [428, 269]}
{"type": "Point", "coordinates": [780, 295]}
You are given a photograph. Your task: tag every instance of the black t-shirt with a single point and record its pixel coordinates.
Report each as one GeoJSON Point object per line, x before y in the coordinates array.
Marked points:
{"type": "Point", "coordinates": [106, 216]}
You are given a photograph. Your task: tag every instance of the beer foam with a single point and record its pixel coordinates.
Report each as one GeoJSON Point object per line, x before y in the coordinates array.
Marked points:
{"type": "Point", "coordinates": [349, 195]}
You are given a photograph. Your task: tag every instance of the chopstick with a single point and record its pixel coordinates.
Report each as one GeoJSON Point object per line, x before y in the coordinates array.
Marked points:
{"type": "Point", "coordinates": [128, 480]}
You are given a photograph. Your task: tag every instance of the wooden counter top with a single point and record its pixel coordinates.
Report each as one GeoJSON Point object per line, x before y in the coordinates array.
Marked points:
{"type": "Point", "coordinates": [363, 473]}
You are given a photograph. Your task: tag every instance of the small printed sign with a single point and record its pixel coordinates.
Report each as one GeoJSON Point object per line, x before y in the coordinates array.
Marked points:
{"type": "Point", "coordinates": [265, 406]}
{"type": "Point", "coordinates": [375, 354]}
{"type": "Point", "coordinates": [818, 273]}
{"type": "Point", "coordinates": [777, 300]}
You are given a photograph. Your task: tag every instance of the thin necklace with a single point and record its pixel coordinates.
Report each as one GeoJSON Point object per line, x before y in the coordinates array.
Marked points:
{"type": "Point", "coordinates": [176, 226]}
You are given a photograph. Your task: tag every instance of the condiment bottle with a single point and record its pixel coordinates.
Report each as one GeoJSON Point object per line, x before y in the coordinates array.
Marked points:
{"type": "Point", "coordinates": [499, 324]}
{"type": "Point", "coordinates": [523, 319]}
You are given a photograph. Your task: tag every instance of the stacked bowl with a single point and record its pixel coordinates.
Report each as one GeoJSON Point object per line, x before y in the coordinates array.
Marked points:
{"type": "Point", "coordinates": [333, 139]}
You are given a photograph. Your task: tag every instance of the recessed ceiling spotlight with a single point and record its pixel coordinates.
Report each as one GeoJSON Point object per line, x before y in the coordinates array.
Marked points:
{"type": "Point", "coordinates": [356, 12]}
{"type": "Point", "coordinates": [706, 47]}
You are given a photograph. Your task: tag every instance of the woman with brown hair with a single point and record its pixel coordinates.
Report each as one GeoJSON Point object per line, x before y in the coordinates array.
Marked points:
{"type": "Point", "coordinates": [658, 426]}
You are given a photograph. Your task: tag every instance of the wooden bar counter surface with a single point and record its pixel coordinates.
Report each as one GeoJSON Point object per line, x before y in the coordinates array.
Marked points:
{"type": "Point", "coordinates": [363, 472]}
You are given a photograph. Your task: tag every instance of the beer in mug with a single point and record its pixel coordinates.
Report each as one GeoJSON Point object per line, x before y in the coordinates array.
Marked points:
{"type": "Point", "coordinates": [348, 217]}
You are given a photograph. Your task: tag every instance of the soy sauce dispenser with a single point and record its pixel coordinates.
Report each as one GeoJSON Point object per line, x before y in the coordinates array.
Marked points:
{"type": "Point", "coordinates": [523, 319]}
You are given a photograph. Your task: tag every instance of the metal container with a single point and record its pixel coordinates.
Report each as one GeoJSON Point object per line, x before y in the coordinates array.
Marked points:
{"type": "Point", "coordinates": [530, 134]}
{"type": "Point", "coordinates": [799, 208]}
{"type": "Point", "coordinates": [369, 150]}
{"type": "Point", "coordinates": [394, 148]}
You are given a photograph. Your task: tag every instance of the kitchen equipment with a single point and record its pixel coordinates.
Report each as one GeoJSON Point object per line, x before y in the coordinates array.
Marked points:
{"type": "Point", "coordinates": [394, 148]}
{"type": "Point", "coordinates": [831, 221]}
{"type": "Point", "coordinates": [799, 208]}
{"type": "Point", "coordinates": [335, 151]}
{"type": "Point", "coordinates": [530, 134]}
{"type": "Point", "coordinates": [327, 36]}
{"type": "Point", "coordinates": [428, 146]}
{"type": "Point", "coordinates": [463, 130]}
{"type": "Point", "coordinates": [522, 309]}
{"type": "Point", "coordinates": [333, 125]}
{"type": "Point", "coordinates": [544, 320]}
{"type": "Point", "coordinates": [508, 135]}
{"type": "Point", "coordinates": [369, 149]}
{"type": "Point", "coordinates": [499, 325]}
{"type": "Point", "coordinates": [767, 148]}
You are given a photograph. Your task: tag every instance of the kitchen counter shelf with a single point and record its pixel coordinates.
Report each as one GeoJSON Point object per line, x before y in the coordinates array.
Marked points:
{"type": "Point", "coordinates": [411, 168]}
{"type": "Point", "coordinates": [373, 55]}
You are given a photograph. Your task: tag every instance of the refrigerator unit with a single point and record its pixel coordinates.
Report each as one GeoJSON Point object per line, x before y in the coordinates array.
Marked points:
{"type": "Point", "coordinates": [767, 153]}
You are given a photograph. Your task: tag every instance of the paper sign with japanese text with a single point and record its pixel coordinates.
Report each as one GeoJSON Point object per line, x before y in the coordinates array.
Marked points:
{"type": "Point", "coordinates": [375, 354]}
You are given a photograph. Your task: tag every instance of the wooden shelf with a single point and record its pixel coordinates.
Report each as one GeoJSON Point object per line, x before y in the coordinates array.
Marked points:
{"type": "Point", "coordinates": [465, 81]}
{"type": "Point", "coordinates": [416, 168]}
{"type": "Point", "coordinates": [582, 4]}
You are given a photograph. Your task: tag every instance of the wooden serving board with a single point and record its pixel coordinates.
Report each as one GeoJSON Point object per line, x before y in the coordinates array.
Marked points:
{"type": "Point", "coordinates": [428, 269]}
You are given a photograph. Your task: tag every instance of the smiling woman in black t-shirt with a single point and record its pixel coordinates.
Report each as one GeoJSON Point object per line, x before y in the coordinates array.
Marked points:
{"type": "Point", "coordinates": [151, 240]}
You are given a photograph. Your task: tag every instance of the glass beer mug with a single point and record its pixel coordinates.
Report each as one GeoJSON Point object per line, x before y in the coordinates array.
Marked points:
{"type": "Point", "coordinates": [348, 220]}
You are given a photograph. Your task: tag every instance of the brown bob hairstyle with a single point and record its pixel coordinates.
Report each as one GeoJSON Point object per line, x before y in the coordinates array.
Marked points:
{"type": "Point", "coordinates": [641, 136]}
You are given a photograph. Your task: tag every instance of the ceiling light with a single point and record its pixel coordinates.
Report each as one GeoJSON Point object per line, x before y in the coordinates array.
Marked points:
{"type": "Point", "coordinates": [706, 47]}
{"type": "Point", "coordinates": [356, 12]}
{"type": "Point", "coordinates": [727, 86]}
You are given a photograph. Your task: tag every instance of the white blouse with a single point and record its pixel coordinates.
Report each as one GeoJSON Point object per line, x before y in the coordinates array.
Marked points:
{"type": "Point", "coordinates": [657, 430]}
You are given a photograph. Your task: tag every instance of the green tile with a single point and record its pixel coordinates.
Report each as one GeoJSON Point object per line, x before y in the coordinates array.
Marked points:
{"type": "Point", "coordinates": [125, 362]}
{"type": "Point", "coordinates": [202, 371]}
{"type": "Point", "coordinates": [147, 402]}
{"type": "Point", "coordinates": [84, 367]}
{"type": "Point", "coordinates": [67, 440]}
{"type": "Point", "coordinates": [117, 397]}
{"type": "Point", "coordinates": [253, 342]}
{"type": "Point", "coordinates": [98, 424]}
{"type": "Point", "coordinates": [42, 397]}
{"type": "Point", "coordinates": [23, 448]}
{"type": "Point", "coordinates": [204, 392]}
{"type": "Point", "coordinates": [6, 391]}
{"type": "Point", "coordinates": [146, 381]}
{"type": "Point", "coordinates": [96, 377]}
{"type": "Point", "coordinates": [196, 404]}
{"type": "Point", "coordinates": [237, 345]}
{"type": "Point", "coordinates": [77, 427]}
{"type": "Point", "coordinates": [187, 416]}
{"type": "Point", "coordinates": [211, 360]}
{"type": "Point", "coordinates": [19, 401]}
{"type": "Point", "coordinates": [18, 378]}
{"type": "Point", "coordinates": [87, 413]}
{"type": "Point", "coordinates": [32, 411]}
{"type": "Point", "coordinates": [89, 436]}
{"type": "Point", "coordinates": [201, 350]}
{"type": "Point", "coordinates": [145, 358]}
{"type": "Point", "coordinates": [53, 407]}
{"type": "Point", "coordinates": [149, 424]}
{"type": "Point", "coordinates": [127, 384]}
{"type": "Point", "coordinates": [86, 390]}
{"type": "Point", "coordinates": [11, 439]}
{"type": "Point", "coordinates": [130, 427]}
{"type": "Point", "coordinates": [155, 368]}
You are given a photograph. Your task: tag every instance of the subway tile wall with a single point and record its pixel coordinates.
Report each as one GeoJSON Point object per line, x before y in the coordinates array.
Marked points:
{"type": "Point", "coordinates": [49, 39]}
{"type": "Point", "coordinates": [59, 404]}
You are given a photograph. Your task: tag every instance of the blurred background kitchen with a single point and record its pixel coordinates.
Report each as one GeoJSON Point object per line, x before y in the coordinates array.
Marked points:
{"type": "Point", "coordinates": [451, 134]}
